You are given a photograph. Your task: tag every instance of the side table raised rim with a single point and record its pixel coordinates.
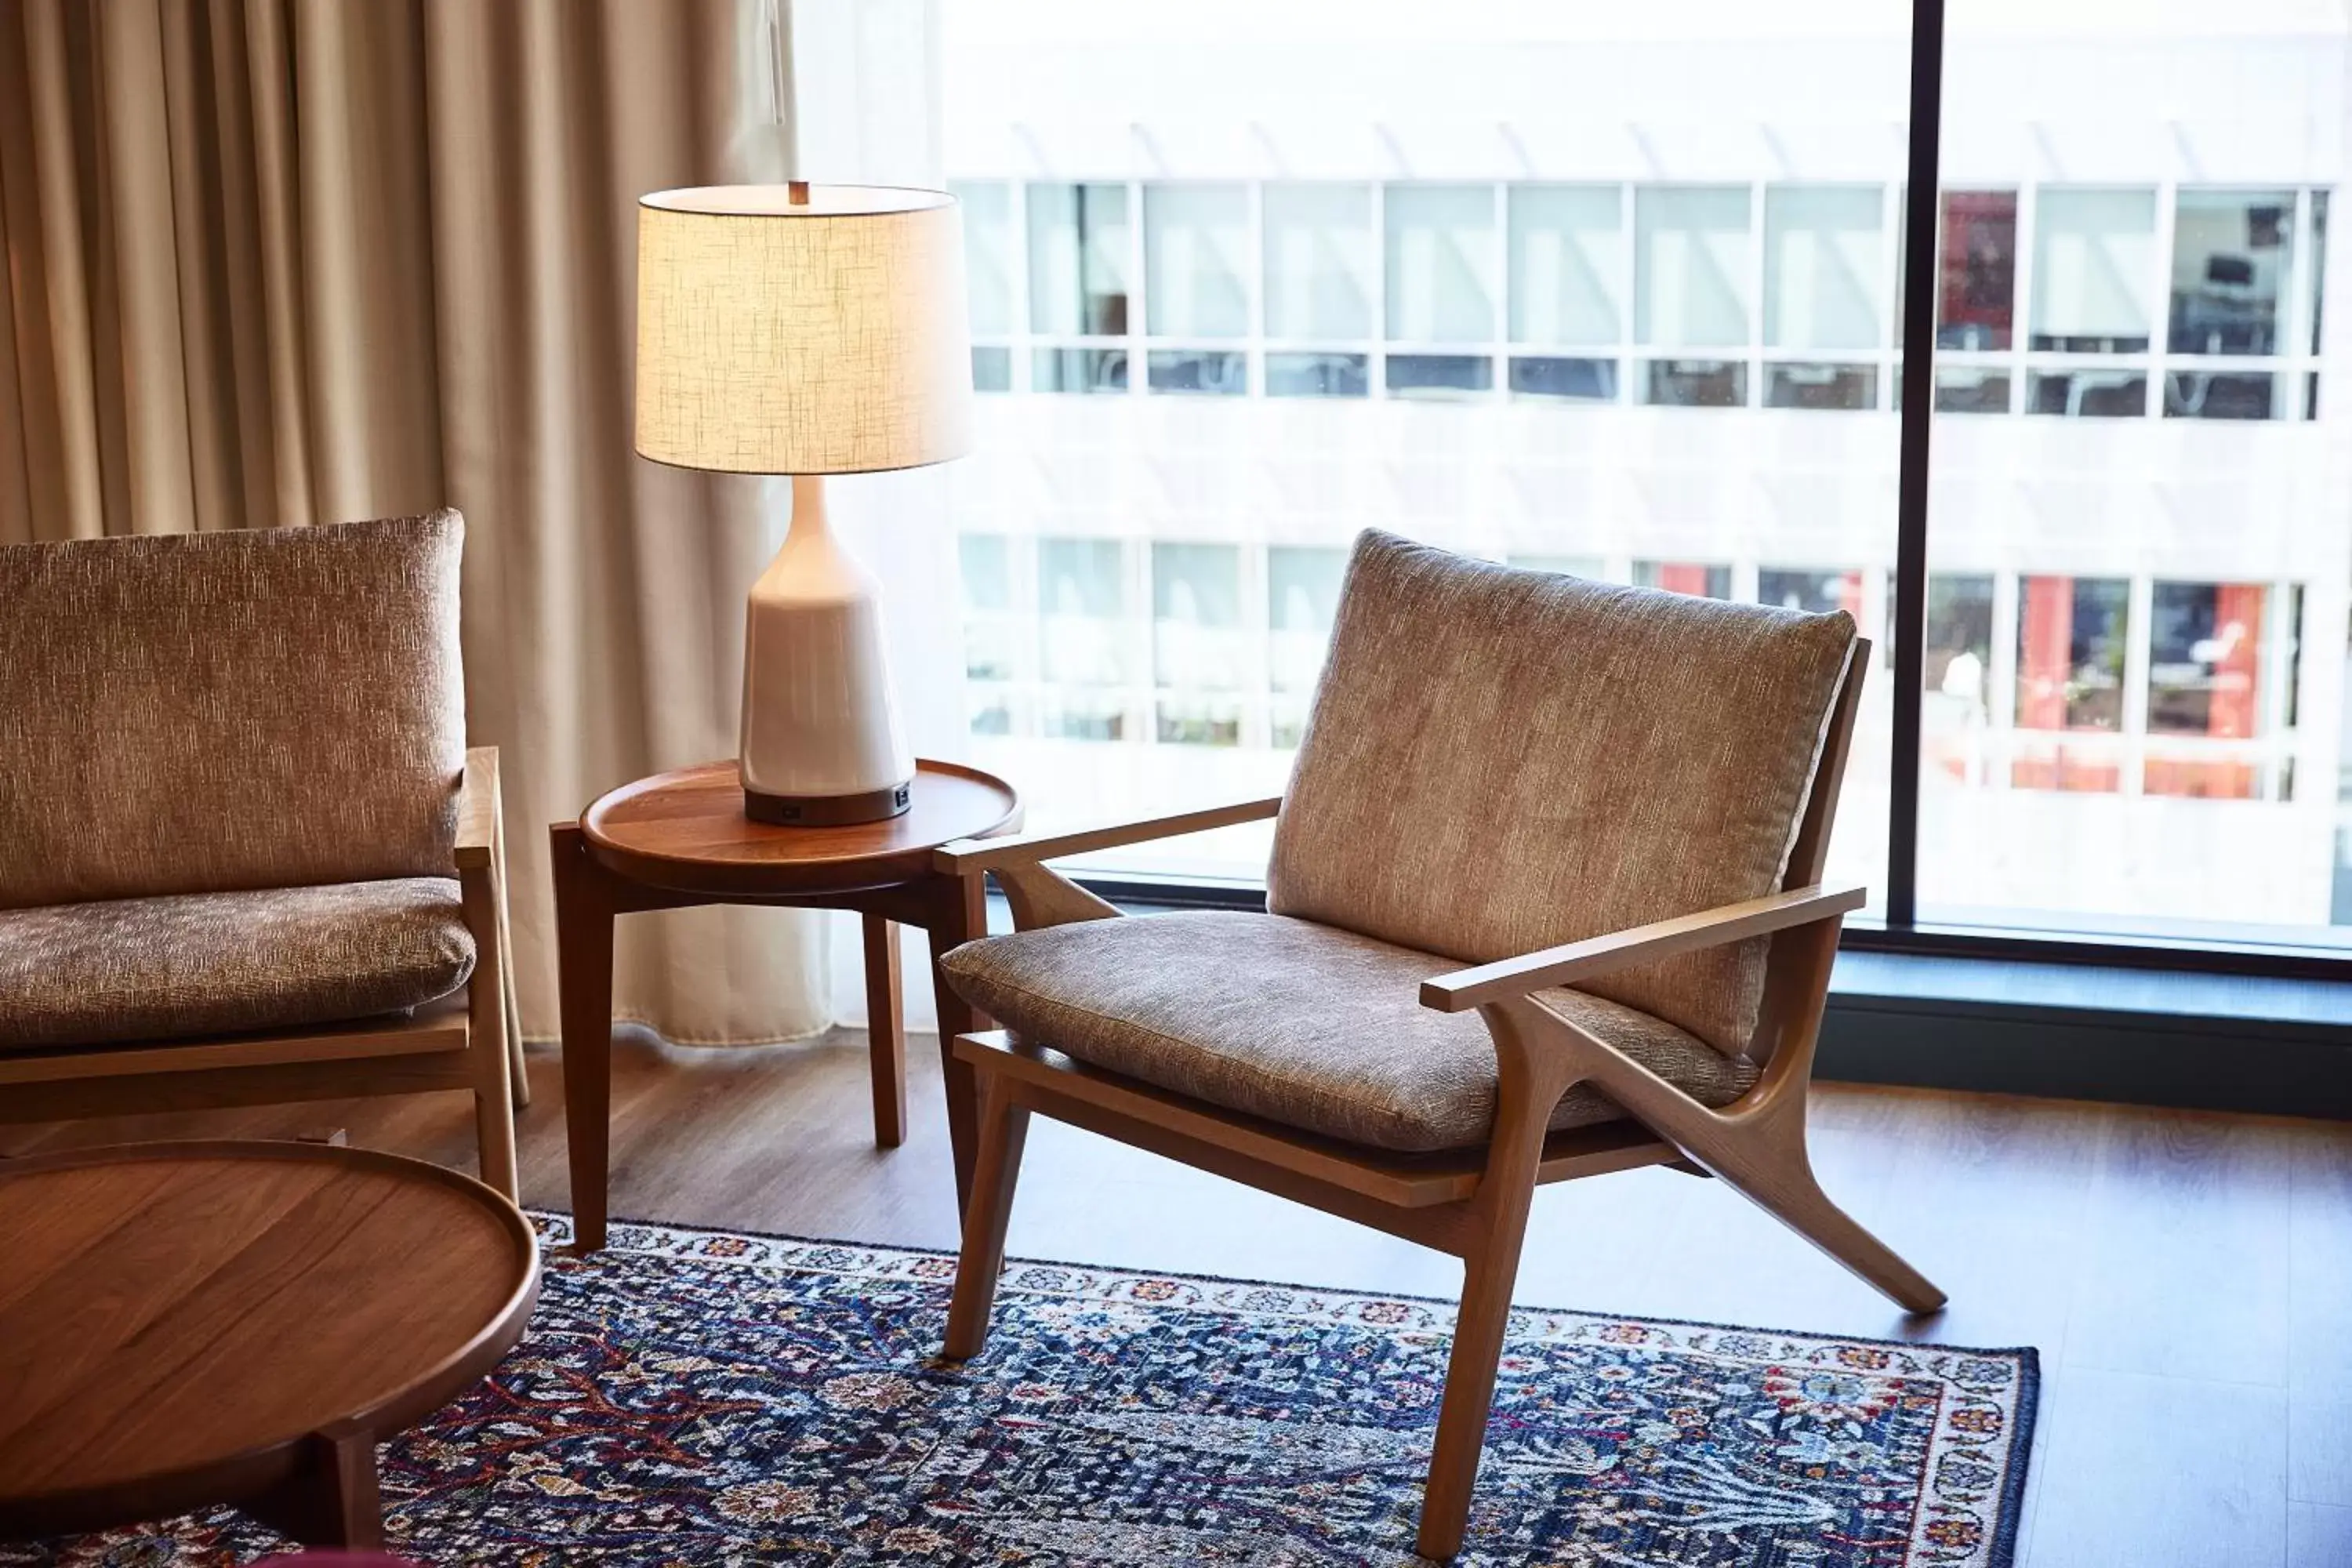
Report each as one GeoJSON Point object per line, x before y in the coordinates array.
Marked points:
{"type": "Point", "coordinates": [848, 870]}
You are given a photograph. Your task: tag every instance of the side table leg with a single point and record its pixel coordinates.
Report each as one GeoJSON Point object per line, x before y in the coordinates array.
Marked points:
{"type": "Point", "coordinates": [583, 948]}
{"type": "Point", "coordinates": [331, 1499]}
{"type": "Point", "coordinates": [959, 914]}
{"type": "Point", "coordinates": [886, 1031]}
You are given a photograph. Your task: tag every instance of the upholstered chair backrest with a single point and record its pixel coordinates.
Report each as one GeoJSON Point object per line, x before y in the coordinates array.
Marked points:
{"type": "Point", "coordinates": [258, 709]}
{"type": "Point", "coordinates": [1501, 761]}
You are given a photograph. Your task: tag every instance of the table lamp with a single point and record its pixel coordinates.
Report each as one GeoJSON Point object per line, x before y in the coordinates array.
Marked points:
{"type": "Point", "coordinates": [806, 329]}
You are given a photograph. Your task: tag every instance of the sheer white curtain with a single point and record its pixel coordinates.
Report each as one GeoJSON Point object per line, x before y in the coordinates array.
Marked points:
{"type": "Point", "coordinates": [865, 80]}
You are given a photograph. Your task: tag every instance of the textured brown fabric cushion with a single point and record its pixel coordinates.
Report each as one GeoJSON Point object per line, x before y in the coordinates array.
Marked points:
{"type": "Point", "coordinates": [254, 708]}
{"type": "Point", "coordinates": [1502, 761]}
{"type": "Point", "coordinates": [1302, 1024]}
{"type": "Point", "coordinates": [202, 964]}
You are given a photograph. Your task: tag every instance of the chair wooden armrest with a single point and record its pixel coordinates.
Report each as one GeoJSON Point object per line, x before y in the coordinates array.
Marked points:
{"type": "Point", "coordinates": [478, 809]}
{"type": "Point", "coordinates": [967, 855]}
{"type": "Point", "coordinates": [1564, 965]}
{"type": "Point", "coordinates": [1040, 895]}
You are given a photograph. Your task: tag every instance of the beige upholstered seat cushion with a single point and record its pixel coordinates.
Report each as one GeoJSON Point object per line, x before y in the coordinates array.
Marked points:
{"type": "Point", "coordinates": [1302, 1024]}
{"type": "Point", "coordinates": [1502, 761]}
{"type": "Point", "coordinates": [256, 709]}
{"type": "Point", "coordinates": [198, 963]}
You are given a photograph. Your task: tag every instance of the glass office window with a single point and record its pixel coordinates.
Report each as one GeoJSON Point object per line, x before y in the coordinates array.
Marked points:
{"type": "Point", "coordinates": [1196, 588]}
{"type": "Point", "coordinates": [1084, 626]}
{"type": "Point", "coordinates": [991, 367]}
{"type": "Point", "coordinates": [1824, 262]}
{"type": "Point", "coordinates": [2072, 636]}
{"type": "Point", "coordinates": [1566, 264]}
{"type": "Point", "coordinates": [1958, 663]}
{"type": "Point", "coordinates": [2221, 394]}
{"type": "Point", "coordinates": [2205, 653]}
{"type": "Point", "coordinates": [1322, 264]}
{"type": "Point", "coordinates": [1196, 260]}
{"type": "Point", "coordinates": [1976, 294]}
{"type": "Point", "coordinates": [1564, 380]}
{"type": "Point", "coordinates": [1199, 650]}
{"type": "Point", "coordinates": [2231, 255]}
{"type": "Point", "coordinates": [1571, 566]}
{"type": "Point", "coordinates": [1706, 582]}
{"type": "Point", "coordinates": [993, 636]}
{"type": "Point", "coordinates": [1221, 373]}
{"type": "Point", "coordinates": [1078, 259]}
{"type": "Point", "coordinates": [1690, 266]}
{"type": "Point", "coordinates": [1695, 383]}
{"type": "Point", "coordinates": [2205, 679]}
{"type": "Point", "coordinates": [1820, 386]}
{"type": "Point", "coordinates": [1968, 390]}
{"type": "Point", "coordinates": [1815, 591]}
{"type": "Point", "coordinates": [1310, 374]}
{"type": "Point", "coordinates": [1302, 599]}
{"type": "Point", "coordinates": [2318, 271]}
{"type": "Point", "coordinates": [1958, 675]}
{"type": "Point", "coordinates": [2073, 633]}
{"type": "Point", "coordinates": [1439, 375]}
{"type": "Point", "coordinates": [1078, 370]}
{"type": "Point", "coordinates": [2094, 254]}
{"type": "Point", "coordinates": [990, 265]}
{"type": "Point", "coordinates": [2088, 394]}
{"type": "Point", "coordinates": [1440, 260]}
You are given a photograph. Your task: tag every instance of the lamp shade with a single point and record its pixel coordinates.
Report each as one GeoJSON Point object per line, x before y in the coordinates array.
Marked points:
{"type": "Point", "coordinates": [827, 336]}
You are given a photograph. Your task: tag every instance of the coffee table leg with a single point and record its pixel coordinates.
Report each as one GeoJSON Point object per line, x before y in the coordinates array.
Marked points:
{"type": "Point", "coordinates": [959, 914]}
{"type": "Point", "coordinates": [886, 1031]}
{"type": "Point", "coordinates": [331, 1499]}
{"type": "Point", "coordinates": [583, 946]}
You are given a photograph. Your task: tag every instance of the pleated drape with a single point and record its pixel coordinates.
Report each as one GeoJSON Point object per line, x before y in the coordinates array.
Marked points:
{"type": "Point", "coordinates": [273, 262]}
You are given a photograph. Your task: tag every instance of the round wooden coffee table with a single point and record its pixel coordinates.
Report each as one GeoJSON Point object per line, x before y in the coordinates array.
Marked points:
{"type": "Point", "coordinates": [188, 1324]}
{"type": "Point", "coordinates": [679, 840]}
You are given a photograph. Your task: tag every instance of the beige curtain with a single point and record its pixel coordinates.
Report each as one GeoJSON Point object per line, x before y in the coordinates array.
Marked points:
{"type": "Point", "coordinates": [279, 261]}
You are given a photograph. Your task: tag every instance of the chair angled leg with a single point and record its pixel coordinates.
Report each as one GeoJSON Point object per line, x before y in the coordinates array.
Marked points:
{"type": "Point", "coordinates": [1757, 1146]}
{"type": "Point", "coordinates": [1003, 1129]}
{"type": "Point", "coordinates": [1781, 1181]}
{"type": "Point", "coordinates": [1488, 1274]}
{"type": "Point", "coordinates": [1530, 1081]}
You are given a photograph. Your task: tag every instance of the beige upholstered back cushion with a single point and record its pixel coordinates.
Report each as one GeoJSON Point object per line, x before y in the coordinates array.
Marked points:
{"type": "Point", "coordinates": [1502, 761]}
{"type": "Point", "coordinates": [258, 709]}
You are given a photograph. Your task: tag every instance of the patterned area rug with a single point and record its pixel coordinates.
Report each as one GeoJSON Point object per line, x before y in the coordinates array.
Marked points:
{"type": "Point", "coordinates": [697, 1397]}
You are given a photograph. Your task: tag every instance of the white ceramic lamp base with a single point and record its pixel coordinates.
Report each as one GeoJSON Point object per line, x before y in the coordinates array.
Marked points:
{"type": "Point", "coordinates": [821, 743]}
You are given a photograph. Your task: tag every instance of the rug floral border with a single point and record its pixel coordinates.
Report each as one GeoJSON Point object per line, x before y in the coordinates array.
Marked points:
{"type": "Point", "coordinates": [1973, 1478]}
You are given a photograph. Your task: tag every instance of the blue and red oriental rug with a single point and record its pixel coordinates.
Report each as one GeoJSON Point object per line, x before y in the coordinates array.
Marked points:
{"type": "Point", "coordinates": [695, 1397]}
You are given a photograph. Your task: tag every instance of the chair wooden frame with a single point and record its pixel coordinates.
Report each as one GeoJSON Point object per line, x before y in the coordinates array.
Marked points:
{"type": "Point", "coordinates": [471, 1041]}
{"type": "Point", "coordinates": [1473, 1203]}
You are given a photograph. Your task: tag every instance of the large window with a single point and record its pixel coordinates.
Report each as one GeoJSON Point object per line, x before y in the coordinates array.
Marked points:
{"type": "Point", "coordinates": [1442, 268]}
{"type": "Point", "coordinates": [1198, 269]}
{"type": "Point", "coordinates": [1619, 295]}
{"type": "Point", "coordinates": [2144, 559]}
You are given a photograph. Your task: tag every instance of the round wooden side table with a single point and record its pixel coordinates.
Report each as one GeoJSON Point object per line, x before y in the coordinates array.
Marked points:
{"type": "Point", "coordinates": [188, 1324]}
{"type": "Point", "coordinates": [680, 839]}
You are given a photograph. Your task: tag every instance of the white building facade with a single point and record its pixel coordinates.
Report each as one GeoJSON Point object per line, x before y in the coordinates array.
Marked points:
{"type": "Point", "coordinates": [1622, 296]}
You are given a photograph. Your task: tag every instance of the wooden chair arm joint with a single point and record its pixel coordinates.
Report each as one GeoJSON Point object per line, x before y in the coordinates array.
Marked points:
{"type": "Point", "coordinates": [967, 856]}
{"type": "Point", "coordinates": [1512, 977]}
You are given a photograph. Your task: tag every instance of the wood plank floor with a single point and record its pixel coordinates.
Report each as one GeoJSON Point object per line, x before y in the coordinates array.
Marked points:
{"type": "Point", "coordinates": [2187, 1277]}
